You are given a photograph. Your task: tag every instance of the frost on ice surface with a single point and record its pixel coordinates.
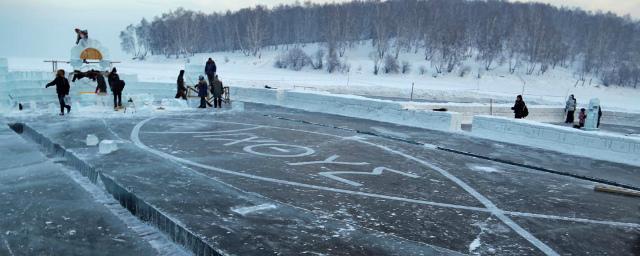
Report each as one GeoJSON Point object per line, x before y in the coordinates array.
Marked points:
{"type": "Point", "coordinates": [246, 210]}
{"type": "Point", "coordinates": [487, 169]}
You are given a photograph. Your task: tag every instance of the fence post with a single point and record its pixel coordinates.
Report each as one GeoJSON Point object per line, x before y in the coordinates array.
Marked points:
{"type": "Point", "coordinates": [411, 97]}
{"type": "Point", "coordinates": [491, 106]}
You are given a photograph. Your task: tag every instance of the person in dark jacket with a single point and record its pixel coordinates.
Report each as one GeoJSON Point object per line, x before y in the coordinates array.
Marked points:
{"type": "Point", "coordinates": [599, 116]}
{"type": "Point", "coordinates": [181, 90]}
{"type": "Point", "coordinates": [102, 84]}
{"type": "Point", "coordinates": [116, 86]}
{"type": "Point", "coordinates": [202, 92]}
{"type": "Point", "coordinates": [216, 90]}
{"type": "Point", "coordinates": [570, 108]}
{"type": "Point", "coordinates": [520, 108]}
{"type": "Point", "coordinates": [81, 34]}
{"type": "Point", "coordinates": [62, 89]}
{"type": "Point", "coordinates": [582, 118]}
{"type": "Point", "coordinates": [210, 70]}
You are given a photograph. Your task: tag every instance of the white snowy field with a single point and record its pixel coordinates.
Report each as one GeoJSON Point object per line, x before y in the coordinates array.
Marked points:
{"type": "Point", "coordinates": [236, 69]}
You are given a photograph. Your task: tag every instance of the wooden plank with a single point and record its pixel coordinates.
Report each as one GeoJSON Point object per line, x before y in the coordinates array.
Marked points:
{"type": "Point", "coordinates": [616, 190]}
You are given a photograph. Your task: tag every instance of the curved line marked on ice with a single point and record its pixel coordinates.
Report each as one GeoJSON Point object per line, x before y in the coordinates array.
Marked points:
{"type": "Point", "coordinates": [501, 214]}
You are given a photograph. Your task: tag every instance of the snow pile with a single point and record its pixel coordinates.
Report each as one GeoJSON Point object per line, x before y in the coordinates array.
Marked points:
{"type": "Point", "coordinates": [352, 106]}
{"type": "Point", "coordinates": [598, 145]}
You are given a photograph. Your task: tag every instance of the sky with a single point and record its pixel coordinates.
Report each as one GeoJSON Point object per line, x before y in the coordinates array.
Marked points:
{"type": "Point", "coordinates": [44, 28]}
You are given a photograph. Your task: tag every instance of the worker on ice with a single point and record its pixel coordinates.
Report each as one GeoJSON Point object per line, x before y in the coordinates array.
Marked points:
{"type": "Point", "coordinates": [210, 70]}
{"type": "Point", "coordinates": [202, 92]}
{"type": "Point", "coordinates": [81, 35]}
{"type": "Point", "coordinates": [117, 86]}
{"type": "Point", "coordinates": [62, 89]}
{"type": "Point", "coordinates": [181, 90]}
{"type": "Point", "coordinates": [217, 90]}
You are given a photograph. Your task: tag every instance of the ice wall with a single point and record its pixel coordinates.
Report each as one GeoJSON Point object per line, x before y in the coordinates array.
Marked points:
{"type": "Point", "coordinates": [28, 88]}
{"type": "Point", "coordinates": [597, 145]}
{"type": "Point", "coordinates": [352, 106]}
{"type": "Point", "coordinates": [547, 114]}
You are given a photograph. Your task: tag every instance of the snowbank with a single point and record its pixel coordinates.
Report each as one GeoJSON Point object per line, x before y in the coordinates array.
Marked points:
{"type": "Point", "coordinates": [352, 106]}
{"type": "Point", "coordinates": [598, 145]}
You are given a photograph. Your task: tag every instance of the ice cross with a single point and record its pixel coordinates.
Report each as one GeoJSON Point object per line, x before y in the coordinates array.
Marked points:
{"type": "Point", "coordinates": [329, 160]}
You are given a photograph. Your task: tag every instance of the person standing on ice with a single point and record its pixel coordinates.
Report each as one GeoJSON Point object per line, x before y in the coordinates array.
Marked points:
{"type": "Point", "coordinates": [181, 89]}
{"type": "Point", "coordinates": [116, 86]}
{"type": "Point", "coordinates": [62, 89]}
{"type": "Point", "coordinates": [520, 108]}
{"type": "Point", "coordinates": [570, 108]}
{"type": "Point", "coordinates": [216, 90]}
{"type": "Point", "coordinates": [210, 70]}
{"type": "Point", "coordinates": [202, 92]}
{"type": "Point", "coordinates": [599, 116]}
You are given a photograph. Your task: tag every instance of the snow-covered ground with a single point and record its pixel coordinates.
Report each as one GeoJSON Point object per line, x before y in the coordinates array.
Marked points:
{"type": "Point", "coordinates": [236, 69]}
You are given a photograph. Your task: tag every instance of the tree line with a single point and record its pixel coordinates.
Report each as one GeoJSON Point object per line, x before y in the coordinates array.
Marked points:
{"type": "Point", "coordinates": [526, 37]}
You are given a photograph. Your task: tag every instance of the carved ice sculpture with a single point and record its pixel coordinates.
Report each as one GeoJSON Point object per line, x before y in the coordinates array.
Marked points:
{"type": "Point", "coordinates": [90, 50]}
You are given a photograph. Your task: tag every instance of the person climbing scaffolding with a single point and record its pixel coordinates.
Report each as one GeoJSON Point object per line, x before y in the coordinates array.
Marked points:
{"type": "Point", "coordinates": [81, 35]}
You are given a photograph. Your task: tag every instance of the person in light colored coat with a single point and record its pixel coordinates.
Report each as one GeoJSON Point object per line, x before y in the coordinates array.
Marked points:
{"type": "Point", "coordinates": [570, 109]}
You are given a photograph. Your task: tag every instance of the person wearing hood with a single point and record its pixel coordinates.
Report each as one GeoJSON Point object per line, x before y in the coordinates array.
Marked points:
{"type": "Point", "coordinates": [520, 108]}
{"type": "Point", "coordinates": [116, 86]}
{"type": "Point", "coordinates": [570, 108]}
{"type": "Point", "coordinates": [81, 35]}
{"type": "Point", "coordinates": [217, 90]}
{"type": "Point", "coordinates": [62, 89]}
{"type": "Point", "coordinates": [210, 70]}
{"type": "Point", "coordinates": [181, 90]}
{"type": "Point", "coordinates": [202, 92]}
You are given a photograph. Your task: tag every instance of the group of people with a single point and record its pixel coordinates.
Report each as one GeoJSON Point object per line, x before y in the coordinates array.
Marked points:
{"type": "Point", "coordinates": [520, 110]}
{"type": "Point", "coordinates": [203, 88]}
{"type": "Point", "coordinates": [570, 109]}
{"type": "Point", "coordinates": [63, 87]}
